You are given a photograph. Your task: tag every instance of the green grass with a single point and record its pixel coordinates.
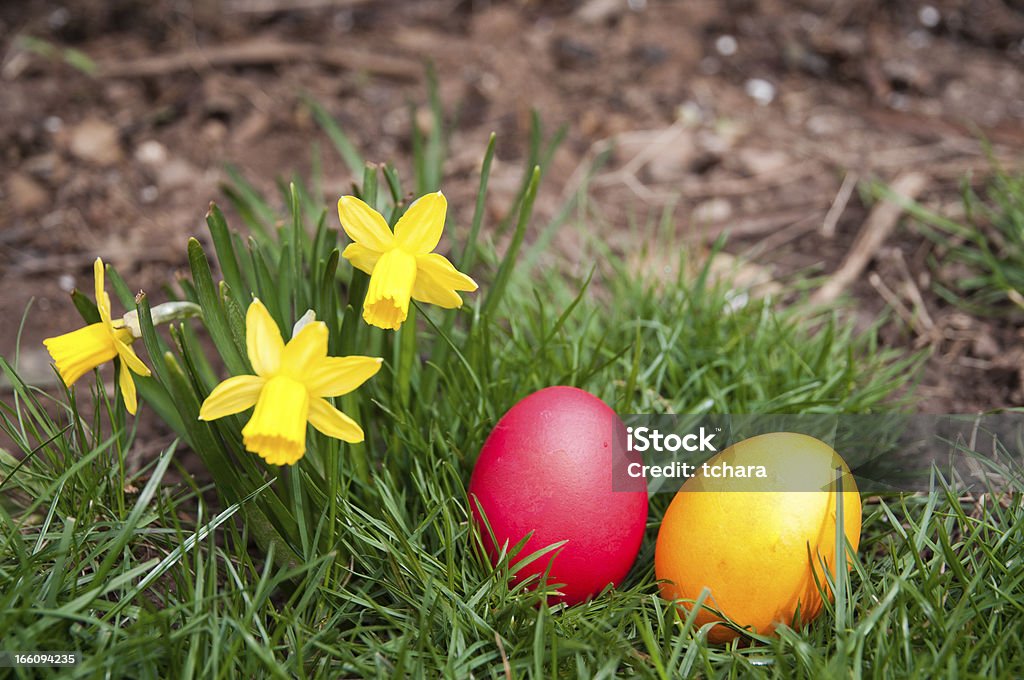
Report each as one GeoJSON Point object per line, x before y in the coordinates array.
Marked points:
{"type": "Point", "coordinates": [372, 568]}
{"type": "Point", "coordinates": [988, 246]}
{"type": "Point", "coordinates": [157, 584]}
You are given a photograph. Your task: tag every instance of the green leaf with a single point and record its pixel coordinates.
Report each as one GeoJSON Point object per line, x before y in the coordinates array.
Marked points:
{"type": "Point", "coordinates": [509, 261]}
{"type": "Point", "coordinates": [346, 149]}
{"type": "Point", "coordinates": [153, 390]}
{"type": "Point", "coordinates": [327, 298]}
{"type": "Point", "coordinates": [468, 258]}
{"type": "Point", "coordinates": [203, 441]}
{"type": "Point", "coordinates": [213, 311]}
{"type": "Point", "coordinates": [249, 203]}
{"type": "Point", "coordinates": [266, 285]}
{"type": "Point", "coordinates": [86, 307]}
{"type": "Point", "coordinates": [121, 289]}
{"type": "Point", "coordinates": [224, 247]}
{"type": "Point", "coordinates": [236, 315]}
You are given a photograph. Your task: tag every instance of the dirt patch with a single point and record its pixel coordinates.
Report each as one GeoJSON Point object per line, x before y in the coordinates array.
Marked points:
{"type": "Point", "coordinates": [743, 116]}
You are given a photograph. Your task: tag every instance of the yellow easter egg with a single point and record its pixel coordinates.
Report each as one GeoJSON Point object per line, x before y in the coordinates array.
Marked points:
{"type": "Point", "coordinates": [753, 527]}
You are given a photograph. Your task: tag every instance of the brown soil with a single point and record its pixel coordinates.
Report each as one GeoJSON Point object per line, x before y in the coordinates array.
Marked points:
{"type": "Point", "coordinates": [738, 115]}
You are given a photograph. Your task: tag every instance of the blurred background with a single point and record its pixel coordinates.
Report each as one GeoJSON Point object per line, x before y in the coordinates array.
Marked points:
{"type": "Point", "coordinates": [770, 120]}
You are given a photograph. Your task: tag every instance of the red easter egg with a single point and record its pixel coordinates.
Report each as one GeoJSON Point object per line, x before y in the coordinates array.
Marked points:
{"type": "Point", "coordinates": [547, 468]}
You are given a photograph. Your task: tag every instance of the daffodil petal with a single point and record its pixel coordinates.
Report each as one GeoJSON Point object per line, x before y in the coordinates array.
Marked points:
{"type": "Point", "coordinates": [102, 299]}
{"type": "Point", "coordinates": [277, 429]}
{"type": "Point", "coordinates": [97, 276]}
{"type": "Point", "coordinates": [234, 395]}
{"type": "Point", "coordinates": [437, 280]}
{"type": "Point", "coordinates": [387, 297]}
{"type": "Point", "coordinates": [262, 340]}
{"type": "Point", "coordinates": [364, 225]}
{"type": "Point", "coordinates": [419, 229]}
{"type": "Point", "coordinates": [305, 351]}
{"type": "Point", "coordinates": [442, 272]}
{"type": "Point", "coordinates": [335, 376]}
{"type": "Point", "coordinates": [333, 422]}
{"type": "Point", "coordinates": [430, 292]}
{"type": "Point", "coordinates": [127, 384]}
{"type": "Point", "coordinates": [362, 258]}
{"type": "Point", "coordinates": [78, 352]}
{"type": "Point", "coordinates": [128, 355]}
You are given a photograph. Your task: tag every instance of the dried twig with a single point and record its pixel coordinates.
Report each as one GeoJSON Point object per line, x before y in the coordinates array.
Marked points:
{"type": "Point", "coordinates": [746, 226]}
{"type": "Point", "coordinates": [913, 292]}
{"type": "Point", "coordinates": [506, 667]}
{"type": "Point", "coordinates": [261, 52]}
{"type": "Point", "coordinates": [741, 186]}
{"type": "Point", "coordinates": [655, 142]}
{"type": "Point", "coordinates": [828, 226]}
{"type": "Point", "coordinates": [783, 236]}
{"type": "Point", "coordinates": [891, 299]}
{"type": "Point", "coordinates": [876, 229]}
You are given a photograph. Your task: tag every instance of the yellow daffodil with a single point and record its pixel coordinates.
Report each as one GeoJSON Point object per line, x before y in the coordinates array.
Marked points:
{"type": "Point", "coordinates": [401, 264]}
{"type": "Point", "coordinates": [289, 389]}
{"type": "Point", "coordinates": [78, 352]}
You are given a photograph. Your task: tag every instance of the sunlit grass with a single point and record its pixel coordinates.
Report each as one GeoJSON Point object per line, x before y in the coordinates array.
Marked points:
{"type": "Point", "coordinates": [988, 246]}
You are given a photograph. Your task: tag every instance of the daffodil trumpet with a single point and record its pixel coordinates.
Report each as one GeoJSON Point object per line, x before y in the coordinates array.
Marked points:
{"type": "Point", "coordinates": [78, 352]}
{"type": "Point", "coordinates": [401, 264]}
{"type": "Point", "coordinates": [291, 387]}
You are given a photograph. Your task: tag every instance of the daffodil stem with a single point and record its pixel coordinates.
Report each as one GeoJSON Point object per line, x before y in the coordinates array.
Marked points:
{"type": "Point", "coordinates": [356, 452]}
{"type": "Point", "coordinates": [359, 462]}
{"type": "Point", "coordinates": [331, 462]}
{"type": "Point", "coordinates": [404, 358]}
{"type": "Point", "coordinates": [115, 412]}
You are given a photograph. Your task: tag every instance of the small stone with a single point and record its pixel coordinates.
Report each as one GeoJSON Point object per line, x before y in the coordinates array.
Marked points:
{"type": "Point", "coordinates": [929, 16]}
{"type": "Point", "coordinates": [600, 11]}
{"type": "Point", "coordinates": [95, 141]}
{"type": "Point", "coordinates": [711, 211]}
{"type": "Point", "coordinates": [761, 161]}
{"type": "Point", "coordinates": [151, 152]}
{"type": "Point", "coordinates": [58, 18]}
{"type": "Point", "coordinates": [66, 282]}
{"type": "Point", "coordinates": [175, 173]}
{"type": "Point", "coordinates": [760, 90]}
{"type": "Point", "coordinates": [726, 45]}
{"type": "Point", "coordinates": [26, 194]}
{"type": "Point", "coordinates": [214, 131]}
